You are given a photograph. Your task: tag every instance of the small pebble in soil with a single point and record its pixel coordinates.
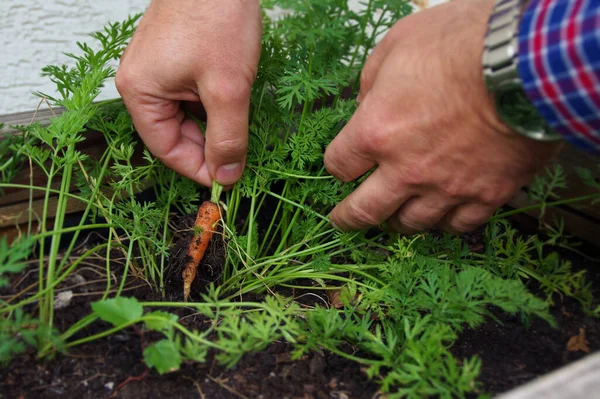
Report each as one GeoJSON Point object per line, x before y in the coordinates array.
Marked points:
{"type": "Point", "coordinates": [63, 299]}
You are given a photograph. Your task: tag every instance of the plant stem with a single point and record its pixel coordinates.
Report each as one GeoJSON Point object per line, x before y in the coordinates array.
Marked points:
{"type": "Point", "coordinates": [251, 224]}
{"type": "Point", "coordinates": [127, 263]}
{"type": "Point", "coordinates": [164, 235]}
{"type": "Point", "coordinates": [215, 193]}
{"type": "Point", "coordinates": [41, 266]}
{"type": "Point", "coordinates": [61, 210]}
{"type": "Point", "coordinates": [549, 204]}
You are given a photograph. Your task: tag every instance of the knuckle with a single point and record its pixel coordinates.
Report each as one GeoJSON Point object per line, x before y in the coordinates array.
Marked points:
{"type": "Point", "coordinates": [365, 79]}
{"type": "Point", "coordinates": [361, 217]}
{"type": "Point", "coordinates": [497, 195]}
{"type": "Point", "coordinates": [414, 176]}
{"type": "Point", "coordinates": [452, 189]}
{"type": "Point", "coordinates": [229, 148]}
{"type": "Point", "coordinates": [227, 90]}
{"type": "Point", "coordinates": [375, 137]}
{"type": "Point", "coordinates": [123, 80]}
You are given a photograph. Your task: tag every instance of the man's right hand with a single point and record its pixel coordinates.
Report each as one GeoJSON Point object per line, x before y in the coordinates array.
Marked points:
{"type": "Point", "coordinates": [427, 123]}
{"type": "Point", "coordinates": [200, 52]}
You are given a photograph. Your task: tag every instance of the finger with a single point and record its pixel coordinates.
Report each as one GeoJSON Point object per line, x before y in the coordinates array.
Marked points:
{"type": "Point", "coordinates": [178, 143]}
{"type": "Point", "coordinates": [420, 213]}
{"type": "Point", "coordinates": [226, 103]}
{"type": "Point", "coordinates": [371, 68]}
{"type": "Point", "coordinates": [374, 201]}
{"type": "Point", "coordinates": [466, 218]}
{"type": "Point", "coordinates": [345, 157]}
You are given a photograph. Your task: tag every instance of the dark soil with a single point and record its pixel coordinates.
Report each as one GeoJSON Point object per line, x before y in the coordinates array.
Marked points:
{"type": "Point", "coordinates": [512, 353]}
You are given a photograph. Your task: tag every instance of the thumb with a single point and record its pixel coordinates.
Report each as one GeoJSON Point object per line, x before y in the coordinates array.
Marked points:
{"type": "Point", "coordinates": [226, 104]}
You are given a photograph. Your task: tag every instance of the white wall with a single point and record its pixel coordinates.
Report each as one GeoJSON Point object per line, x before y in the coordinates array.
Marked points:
{"type": "Point", "coordinates": [35, 33]}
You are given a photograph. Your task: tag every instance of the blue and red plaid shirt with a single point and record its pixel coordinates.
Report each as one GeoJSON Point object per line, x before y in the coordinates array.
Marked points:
{"type": "Point", "coordinates": [559, 64]}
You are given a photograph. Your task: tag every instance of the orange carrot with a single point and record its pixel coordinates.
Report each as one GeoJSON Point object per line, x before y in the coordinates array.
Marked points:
{"type": "Point", "coordinates": [208, 215]}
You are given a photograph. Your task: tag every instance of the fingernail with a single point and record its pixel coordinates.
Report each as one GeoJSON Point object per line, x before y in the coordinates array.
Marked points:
{"type": "Point", "coordinates": [229, 174]}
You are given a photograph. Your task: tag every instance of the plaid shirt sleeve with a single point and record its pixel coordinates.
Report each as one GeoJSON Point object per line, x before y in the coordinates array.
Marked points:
{"type": "Point", "coordinates": [559, 64]}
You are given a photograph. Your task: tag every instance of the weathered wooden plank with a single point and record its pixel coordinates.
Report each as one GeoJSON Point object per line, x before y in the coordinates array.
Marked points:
{"type": "Point", "coordinates": [94, 146]}
{"type": "Point", "coordinates": [16, 214]}
{"type": "Point", "coordinates": [571, 159]}
{"type": "Point", "coordinates": [42, 116]}
{"type": "Point", "coordinates": [10, 233]}
{"type": "Point", "coordinates": [585, 228]}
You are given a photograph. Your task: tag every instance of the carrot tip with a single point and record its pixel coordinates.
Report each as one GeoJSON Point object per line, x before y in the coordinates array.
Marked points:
{"type": "Point", "coordinates": [186, 291]}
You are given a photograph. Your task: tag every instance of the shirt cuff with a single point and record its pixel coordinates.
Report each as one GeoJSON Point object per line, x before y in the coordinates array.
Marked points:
{"type": "Point", "coordinates": [559, 65]}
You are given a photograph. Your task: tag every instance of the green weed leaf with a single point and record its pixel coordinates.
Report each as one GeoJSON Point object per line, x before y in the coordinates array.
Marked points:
{"type": "Point", "coordinates": [163, 356]}
{"type": "Point", "coordinates": [118, 311]}
{"type": "Point", "coordinates": [160, 321]}
{"type": "Point", "coordinates": [12, 257]}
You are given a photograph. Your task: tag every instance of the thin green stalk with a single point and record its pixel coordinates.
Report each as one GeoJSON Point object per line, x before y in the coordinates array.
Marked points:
{"type": "Point", "coordinates": [296, 176]}
{"type": "Point", "coordinates": [74, 329]}
{"type": "Point", "coordinates": [308, 105]}
{"type": "Point", "coordinates": [71, 230]}
{"type": "Point", "coordinates": [302, 207]}
{"type": "Point", "coordinates": [251, 223]}
{"type": "Point", "coordinates": [108, 259]}
{"type": "Point", "coordinates": [61, 210]}
{"type": "Point", "coordinates": [233, 205]}
{"type": "Point", "coordinates": [275, 259]}
{"type": "Point", "coordinates": [45, 189]}
{"type": "Point", "coordinates": [279, 280]}
{"type": "Point", "coordinates": [88, 207]}
{"type": "Point", "coordinates": [348, 356]}
{"type": "Point", "coordinates": [291, 249]}
{"type": "Point", "coordinates": [109, 101]}
{"type": "Point", "coordinates": [361, 39]}
{"type": "Point", "coordinates": [30, 199]}
{"type": "Point", "coordinates": [215, 192]}
{"type": "Point", "coordinates": [148, 260]}
{"type": "Point", "coordinates": [142, 319]}
{"type": "Point", "coordinates": [207, 305]}
{"type": "Point", "coordinates": [41, 265]}
{"type": "Point", "coordinates": [371, 40]}
{"type": "Point", "coordinates": [165, 233]}
{"type": "Point", "coordinates": [291, 225]}
{"type": "Point", "coordinates": [128, 260]}
{"type": "Point", "coordinates": [41, 293]}
{"type": "Point", "coordinates": [547, 205]}
{"type": "Point", "coordinates": [260, 101]}
{"type": "Point", "coordinates": [302, 256]}
{"type": "Point", "coordinates": [271, 224]}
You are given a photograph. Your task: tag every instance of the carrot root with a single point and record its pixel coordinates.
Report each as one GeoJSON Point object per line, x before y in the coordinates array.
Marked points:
{"type": "Point", "coordinates": [208, 215]}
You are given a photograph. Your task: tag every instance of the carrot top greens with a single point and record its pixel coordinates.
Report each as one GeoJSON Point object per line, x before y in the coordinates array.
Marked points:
{"type": "Point", "coordinates": [401, 301]}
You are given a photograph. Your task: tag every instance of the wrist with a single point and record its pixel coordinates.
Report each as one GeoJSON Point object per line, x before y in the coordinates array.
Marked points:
{"type": "Point", "coordinates": [501, 76]}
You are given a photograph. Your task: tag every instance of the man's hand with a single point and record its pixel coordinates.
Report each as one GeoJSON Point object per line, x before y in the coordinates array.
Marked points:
{"type": "Point", "coordinates": [194, 51]}
{"type": "Point", "coordinates": [426, 121]}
